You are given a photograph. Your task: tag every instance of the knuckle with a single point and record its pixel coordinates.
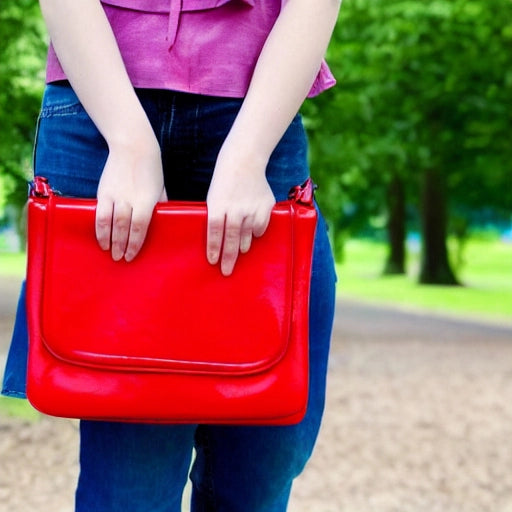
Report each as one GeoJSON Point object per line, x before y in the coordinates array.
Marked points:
{"type": "Point", "coordinates": [215, 232]}
{"type": "Point", "coordinates": [213, 247]}
{"type": "Point", "coordinates": [215, 222]}
{"type": "Point", "coordinates": [118, 245]}
{"type": "Point", "coordinates": [119, 232]}
{"type": "Point", "coordinates": [134, 240]}
{"type": "Point", "coordinates": [138, 227]}
{"type": "Point", "coordinates": [231, 239]}
{"type": "Point", "coordinates": [103, 218]}
{"type": "Point", "coordinates": [103, 225]}
{"type": "Point", "coordinates": [230, 248]}
{"type": "Point", "coordinates": [121, 223]}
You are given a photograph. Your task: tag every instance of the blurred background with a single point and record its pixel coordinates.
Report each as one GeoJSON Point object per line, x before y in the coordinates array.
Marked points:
{"type": "Point", "coordinates": [412, 153]}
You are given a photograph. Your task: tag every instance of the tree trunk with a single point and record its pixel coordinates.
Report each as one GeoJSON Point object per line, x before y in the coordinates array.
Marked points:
{"type": "Point", "coordinates": [435, 267]}
{"type": "Point", "coordinates": [395, 263]}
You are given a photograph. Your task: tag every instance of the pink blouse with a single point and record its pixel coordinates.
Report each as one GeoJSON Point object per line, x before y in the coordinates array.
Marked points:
{"type": "Point", "coordinates": [200, 46]}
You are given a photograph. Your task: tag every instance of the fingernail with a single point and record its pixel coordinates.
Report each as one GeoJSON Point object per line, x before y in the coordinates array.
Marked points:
{"type": "Point", "coordinates": [212, 257]}
{"type": "Point", "coordinates": [116, 255]}
{"type": "Point", "coordinates": [226, 270]}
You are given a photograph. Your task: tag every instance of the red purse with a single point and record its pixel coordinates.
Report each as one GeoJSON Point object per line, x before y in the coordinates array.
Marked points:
{"type": "Point", "coordinates": [166, 338]}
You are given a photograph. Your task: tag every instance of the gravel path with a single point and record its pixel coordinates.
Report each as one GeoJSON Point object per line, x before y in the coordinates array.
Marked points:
{"type": "Point", "coordinates": [418, 419]}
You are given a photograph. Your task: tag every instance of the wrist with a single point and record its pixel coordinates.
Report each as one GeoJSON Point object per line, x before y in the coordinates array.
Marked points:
{"type": "Point", "coordinates": [244, 155]}
{"type": "Point", "coordinates": [240, 164]}
{"type": "Point", "coordinates": [136, 138]}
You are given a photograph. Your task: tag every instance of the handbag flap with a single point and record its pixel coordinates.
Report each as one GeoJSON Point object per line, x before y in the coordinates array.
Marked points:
{"type": "Point", "coordinates": [169, 309]}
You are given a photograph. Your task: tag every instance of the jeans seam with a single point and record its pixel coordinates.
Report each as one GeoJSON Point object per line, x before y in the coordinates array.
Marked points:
{"type": "Point", "coordinates": [167, 122]}
{"type": "Point", "coordinates": [207, 478]}
{"type": "Point", "coordinates": [196, 136]}
{"type": "Point", "coordinates": [36, 136]}
{"type": "Point", "coordinates": [61, 110]}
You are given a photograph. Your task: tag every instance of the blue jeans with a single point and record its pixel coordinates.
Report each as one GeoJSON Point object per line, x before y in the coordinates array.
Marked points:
{"type": "Point", "coordinates": [140, 467]}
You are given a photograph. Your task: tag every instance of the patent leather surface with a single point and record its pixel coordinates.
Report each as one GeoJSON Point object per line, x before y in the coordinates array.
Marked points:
{"type": "Point", "coordinates": [167, 338]}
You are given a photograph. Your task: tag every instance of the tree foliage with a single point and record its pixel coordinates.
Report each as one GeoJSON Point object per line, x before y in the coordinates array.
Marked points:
{"type": "Point", "coordinates": [22, 56]}
{"type": "Point", "coordinates": [423, 86]}
{"type": "Point", "coordinates": [424, 93]}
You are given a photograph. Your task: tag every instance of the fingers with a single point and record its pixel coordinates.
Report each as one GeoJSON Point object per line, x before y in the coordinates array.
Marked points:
{"type": "Point", "coordinates": [231, 234]}
{"type": "Point", "coordinates": [122, 228]}
{"type": "Point", "coordinates": [223, 242]}
{"type": "Point", "coordinates": [230, 246]}
{"type": "Point", "coordinates": [261, 226]}
{"type": "Point", "coordinates": [245, 236]}
{"type": "Point", "coordinates": [103, 224]}
{"type": "Point", "coordinates": [121, 220]}
{"type": "Point", "coordinates": [214, 237]}
{"type": "Point", "coordinates": [139, 225]}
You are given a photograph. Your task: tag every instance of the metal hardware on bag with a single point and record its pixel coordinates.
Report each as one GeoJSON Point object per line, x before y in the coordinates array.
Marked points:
{"type": "Point", "coordinates": [39, 187]}
{"type": "Point", "coordinates": [303, 194]}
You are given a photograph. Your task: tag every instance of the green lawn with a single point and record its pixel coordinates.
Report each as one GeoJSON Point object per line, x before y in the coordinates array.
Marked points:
{"type": "Point", "coordinates": [486, 275]}
{"type": "Point", "coordinates": [14, 407]}
{"type": "Point", "coordinates": [12, 263]}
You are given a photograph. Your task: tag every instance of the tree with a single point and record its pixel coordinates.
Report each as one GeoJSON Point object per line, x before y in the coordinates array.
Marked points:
{"type": "Point", "coordinates": [395, 263]}
{"type": "Point", "coordinates": [22, 56]}
{"type": "Point", "coordinates": [426, 93]}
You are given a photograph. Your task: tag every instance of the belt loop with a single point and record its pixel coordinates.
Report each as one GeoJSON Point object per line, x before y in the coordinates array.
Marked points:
{"type": "Point", "coordinates": [175, 7]}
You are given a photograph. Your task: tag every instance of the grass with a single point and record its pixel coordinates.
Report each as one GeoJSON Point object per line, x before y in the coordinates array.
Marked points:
{"type": "Point", "coordinates": [12, 263]}
{"type": "Point", "coordinates": [16, 408]}
{"type": "Point", "coordinates": [486, 274]}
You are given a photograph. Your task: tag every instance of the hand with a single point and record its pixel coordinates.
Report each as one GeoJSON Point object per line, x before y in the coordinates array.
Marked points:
{"type": "Point", "coordinates": [130, 186]}
{"type": "Point", "coordinates": [239, 205]}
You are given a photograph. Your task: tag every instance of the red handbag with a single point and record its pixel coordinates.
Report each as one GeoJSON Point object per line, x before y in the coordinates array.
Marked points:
{"type": "Point", "coordinates": [166, 338]}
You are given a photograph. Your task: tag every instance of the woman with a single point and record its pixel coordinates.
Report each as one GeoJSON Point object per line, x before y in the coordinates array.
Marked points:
{"type": "Point", "coordinates": [194, 100]}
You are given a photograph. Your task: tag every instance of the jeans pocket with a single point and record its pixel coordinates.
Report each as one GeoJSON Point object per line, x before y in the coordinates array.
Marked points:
{"type": "Point", "coordinates": [69, 149]}
{"type": "Point", "coordinates": [59, 99]}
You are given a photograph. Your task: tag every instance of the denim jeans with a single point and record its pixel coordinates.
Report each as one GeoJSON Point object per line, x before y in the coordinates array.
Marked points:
{"type": "Point", "coordinates": [142, 467]}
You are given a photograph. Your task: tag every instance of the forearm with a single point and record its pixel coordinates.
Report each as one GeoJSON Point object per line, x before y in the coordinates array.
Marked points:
{"type": "Point", "coordinates": [240, 199]}
{"type": "Point", "coordinates": [88, 52]}
{"type": "Point", "coordinates": [132, 179]}
{"type": "Point", "coordinates": [284, 74]}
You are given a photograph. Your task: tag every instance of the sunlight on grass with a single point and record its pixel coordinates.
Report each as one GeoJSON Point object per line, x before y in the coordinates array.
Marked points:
{"type": "Point", "coordinates": [15, 407]}
{"type": "Point", "coordinates": [12, 263]}
{"type": "Point", "coordinates": [486, 274]}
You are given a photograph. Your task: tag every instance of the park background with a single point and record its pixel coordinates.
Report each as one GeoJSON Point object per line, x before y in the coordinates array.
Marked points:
{"type": "Point", "coordinates": [413, 157]}
{"type": "Point", "coordinates": [411, 150]}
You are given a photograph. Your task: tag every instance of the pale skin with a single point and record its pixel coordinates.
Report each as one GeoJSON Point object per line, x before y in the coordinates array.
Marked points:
{"type": "Point", "coordinates": [239, 198]}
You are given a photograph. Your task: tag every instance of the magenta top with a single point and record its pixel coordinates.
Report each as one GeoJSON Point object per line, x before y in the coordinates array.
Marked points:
{"type": "Point", "coordinates": [200, 46]}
